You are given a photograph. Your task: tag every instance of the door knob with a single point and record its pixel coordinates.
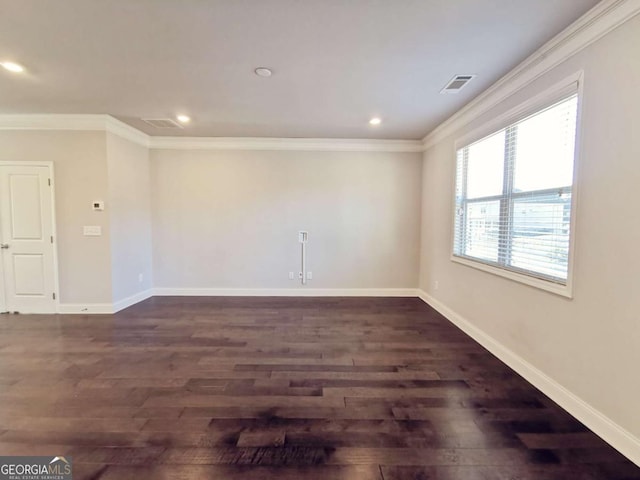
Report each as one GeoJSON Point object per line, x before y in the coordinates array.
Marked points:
{"type": "Point", "coordinates": [4, 245]}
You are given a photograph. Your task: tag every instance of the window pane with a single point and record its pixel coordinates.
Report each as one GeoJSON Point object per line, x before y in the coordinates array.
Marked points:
{"type": "Point", "coordinates": [524, 228]}
{"type": "Point", "coordinates": [541, 227]}
{"type": "Point", "coordinates": [482, 230]}
{"type": "Point", "coordinates": [545, 148]}
{"type": "Point", "coordinates": [486, 167]}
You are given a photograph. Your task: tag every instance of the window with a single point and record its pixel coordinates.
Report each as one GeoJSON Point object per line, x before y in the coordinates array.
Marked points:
{"type": "Point", "coordinates": [514, 196]}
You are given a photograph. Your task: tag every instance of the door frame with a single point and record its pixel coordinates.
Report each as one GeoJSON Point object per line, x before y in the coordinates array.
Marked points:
{"type": "Point", "coordinates": [56, 282]}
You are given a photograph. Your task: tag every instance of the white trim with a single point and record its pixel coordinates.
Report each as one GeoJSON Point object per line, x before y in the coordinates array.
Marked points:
{"type": "Point", "coordinates": [132, 300]}
{"type": "Point", "coordinates": [121, 129]}
{"type": "Point", "coordinates": [618, 437]}
{"type": "Point", "coordinates": [104, 308]}
{"type": "Point", "coordinates": [107, 123]}
{"type": "Point", "coordinates": [597, 22]}
{"type": "Point", "coordinates": [558, 289]}
{"type": "Point", "coordinates": [280, 144]}
{"type": "Point", "coordinates": [54, 232]}
{"type": "Point", "coordinates": [53, 122]}
{"type": "Point", "coordinates": [85, 308]}
{"type": "Point", "coordinates": [74, 122]}
{"type": "Point", "coordinates": [569, 85]}
{"type": "Point", "coordinates": [111, 308]}
{"type": "Point", "coordinates": [286, 292]}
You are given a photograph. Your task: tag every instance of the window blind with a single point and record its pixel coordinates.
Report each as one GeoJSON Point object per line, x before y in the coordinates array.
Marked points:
{"type": "Point", "coordinates": [514, 194]}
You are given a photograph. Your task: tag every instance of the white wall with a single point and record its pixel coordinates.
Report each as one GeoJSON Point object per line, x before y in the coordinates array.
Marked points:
{"type": "Point", "coordinates": [80, 171]}
{"type": "Point", "coordinates": [229, 219]}
{"type": "Point", "coordinates": [129, 209]}
{"type": "Point", "coordinates": [590, 344]}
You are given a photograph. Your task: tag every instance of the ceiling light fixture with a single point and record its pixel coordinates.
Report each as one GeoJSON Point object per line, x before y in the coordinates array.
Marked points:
{"type": "Point", "coordinates": [183, 119]}
{"type": "Point", "coordinates": [12, 67]}
{"type": "Point", "coordinates": [263, 72]}
{"type": "Point", "coordinates": [375, 121]}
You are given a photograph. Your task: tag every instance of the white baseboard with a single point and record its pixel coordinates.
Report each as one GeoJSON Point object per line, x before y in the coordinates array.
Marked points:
{"type": "Point", "coordinates": [286, 292]}
{"type": "Point", "coordinates": [132, 300]}
{"type": "Point", "coordinates": [104, 308]}
{"type": "Point", "coordinates": [108, 308]}
{"type": "Point", "coordinates": [618, 437]}
{"type": "Point", "coordinates": [85, 308]}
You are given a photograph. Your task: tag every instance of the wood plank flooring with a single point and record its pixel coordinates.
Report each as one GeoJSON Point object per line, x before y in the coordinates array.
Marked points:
{"type": "Point", "coordinates": [281, 388]}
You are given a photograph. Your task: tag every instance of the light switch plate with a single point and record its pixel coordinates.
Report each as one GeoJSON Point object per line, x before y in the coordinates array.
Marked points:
{"type": "Point", "coordinates": [92, 230]}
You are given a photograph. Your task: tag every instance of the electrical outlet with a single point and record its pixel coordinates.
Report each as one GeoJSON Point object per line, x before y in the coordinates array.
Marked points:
{"type": "Point", "coordinates": [309, 275]}
{"type": "Point", "coordinates": [140, 278]}
{"type": "Point", "coordinates": [436, 285]}
{"type": "Point", "coordinates": [291, 277]}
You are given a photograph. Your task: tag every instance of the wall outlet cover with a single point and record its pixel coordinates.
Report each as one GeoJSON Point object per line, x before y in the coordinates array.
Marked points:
{"type": "Point", "coordinates": [92, 230]}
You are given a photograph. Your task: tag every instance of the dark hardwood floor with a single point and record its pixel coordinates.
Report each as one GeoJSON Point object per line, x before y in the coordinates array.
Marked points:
{"type": "Point", "coordinates": [281, 388]}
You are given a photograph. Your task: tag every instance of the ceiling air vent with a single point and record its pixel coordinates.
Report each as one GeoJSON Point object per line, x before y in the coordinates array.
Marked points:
{"type": "Point", "coordinates": [164, 123]}
{"type": "Point", "coordinates": [457, 83]}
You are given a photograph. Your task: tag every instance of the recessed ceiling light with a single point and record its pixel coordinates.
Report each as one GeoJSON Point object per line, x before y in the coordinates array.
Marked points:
{"type": "Point", "coordinates": [183, 119]}
{"type": "Point", "coordinates": [263, 72]}
{"type": "Point", "coordinates": [12, 67]}
{"type": "Point", "coordinates": [375, 121]}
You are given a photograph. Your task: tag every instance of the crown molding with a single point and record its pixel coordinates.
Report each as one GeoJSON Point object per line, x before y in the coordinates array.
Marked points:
{"type": "Point", "coordinates": [74, 122]}
{"type": "Point", "coordinates": [280, 144]}
{"type": "Point", "coordinates": [107, 123]}
{"type": "Point", "coordinates": [593, 25]}
{"type": "Point", "coordinates": [53, 122]}
{"type": "Point", "coordinates": [121, 129]}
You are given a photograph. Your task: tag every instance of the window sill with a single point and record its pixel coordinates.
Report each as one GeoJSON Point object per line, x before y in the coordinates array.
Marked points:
{"type": "Point", "coordinates": [562, 290]}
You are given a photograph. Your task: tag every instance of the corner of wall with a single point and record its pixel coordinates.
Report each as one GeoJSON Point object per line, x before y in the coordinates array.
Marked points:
{"type": "Point", "coordinates": [129, 211]}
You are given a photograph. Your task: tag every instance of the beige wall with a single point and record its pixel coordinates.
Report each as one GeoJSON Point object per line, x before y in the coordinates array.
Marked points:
{"type": "Point", "coordinates": [129, 208]}
{"type": "Point", "coordinates": [224, 219]}
{"type": "Point", "coordinates": [588, 344]}
{"type": "Point", "coordinates": [229, 219]}
{"type": "Point", "coordinates": [80, 172]}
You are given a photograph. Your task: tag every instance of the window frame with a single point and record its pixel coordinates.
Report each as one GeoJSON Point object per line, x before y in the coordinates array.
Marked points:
{"type": "Point", "coordinates": [572, 85]}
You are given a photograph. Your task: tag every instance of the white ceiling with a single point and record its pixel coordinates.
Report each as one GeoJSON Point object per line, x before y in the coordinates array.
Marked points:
{"type": "Point", "coordinates": [336, 63]}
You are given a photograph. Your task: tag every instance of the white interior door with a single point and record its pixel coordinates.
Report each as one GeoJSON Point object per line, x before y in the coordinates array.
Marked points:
{"type": "Point", "coordinates": [26, 214]}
